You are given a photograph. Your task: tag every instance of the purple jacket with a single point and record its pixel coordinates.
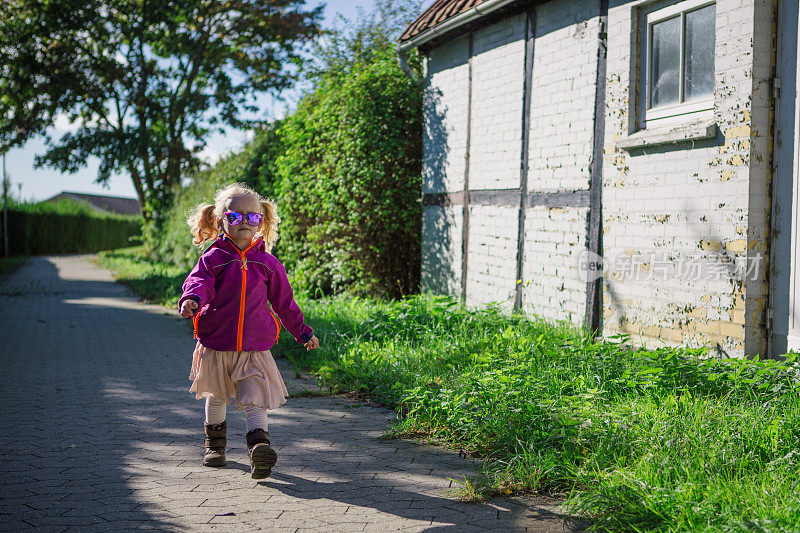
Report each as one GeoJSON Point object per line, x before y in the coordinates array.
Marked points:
{"type": "Point", "coordinates": [233, 289]}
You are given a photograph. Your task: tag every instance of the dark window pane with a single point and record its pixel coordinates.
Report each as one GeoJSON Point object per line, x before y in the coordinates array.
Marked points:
{"type": "Point", "coordinates": [699, 52]}
{"type": "Point", "coordinates": [665, 54]}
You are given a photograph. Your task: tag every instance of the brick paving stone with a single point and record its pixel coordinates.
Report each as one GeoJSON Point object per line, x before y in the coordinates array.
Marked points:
{"type": "Point", "coordinates": [101, 433]}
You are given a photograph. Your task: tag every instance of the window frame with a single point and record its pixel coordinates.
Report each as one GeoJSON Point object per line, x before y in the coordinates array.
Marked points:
{"type": "Point", "coordinates": [682, 111]}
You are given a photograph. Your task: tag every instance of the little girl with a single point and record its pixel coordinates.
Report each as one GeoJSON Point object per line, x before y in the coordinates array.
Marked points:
{"type": "Point", "coordinates": [229, 293]}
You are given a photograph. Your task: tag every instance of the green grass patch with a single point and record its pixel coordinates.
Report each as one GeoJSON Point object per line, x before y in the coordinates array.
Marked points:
{"type": "Point", "coordinates": [154, 282]}
{"type": "Point", "coordinates": [639, 440]}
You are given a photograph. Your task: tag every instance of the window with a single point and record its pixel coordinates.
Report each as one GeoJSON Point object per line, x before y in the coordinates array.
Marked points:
{"type": "Point", "coordinates": [678, 63]}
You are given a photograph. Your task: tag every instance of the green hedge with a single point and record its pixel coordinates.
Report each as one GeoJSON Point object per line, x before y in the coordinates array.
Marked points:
{"type": "Point", "coordinates": [42, 233]}
{"type": "Point", "coordinates": [349, 183]}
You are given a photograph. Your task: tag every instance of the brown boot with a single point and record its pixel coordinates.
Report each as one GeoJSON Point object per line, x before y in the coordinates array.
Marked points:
{"type": "Point", "coordinates": [262, 456]}
{"type": "Point", "coordinates": [215, 444]}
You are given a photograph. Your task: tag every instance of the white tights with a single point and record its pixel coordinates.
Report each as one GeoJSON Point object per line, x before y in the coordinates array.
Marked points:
{"type": "Point", "coordinates": [255, 417]}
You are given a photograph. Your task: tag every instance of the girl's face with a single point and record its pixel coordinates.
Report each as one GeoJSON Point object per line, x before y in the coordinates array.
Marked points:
{"type": "Point", "coordinates": [242, 233]}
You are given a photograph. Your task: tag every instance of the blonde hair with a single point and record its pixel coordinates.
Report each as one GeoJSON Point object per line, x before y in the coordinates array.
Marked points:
{"type": "Point", "coordinates": [204, 220]}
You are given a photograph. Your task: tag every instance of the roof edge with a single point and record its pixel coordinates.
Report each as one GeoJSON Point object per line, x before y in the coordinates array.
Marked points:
{"type": "Point", "coordinates": [461, 19]}
{"type": "Point", "coordinates": [94, 195]}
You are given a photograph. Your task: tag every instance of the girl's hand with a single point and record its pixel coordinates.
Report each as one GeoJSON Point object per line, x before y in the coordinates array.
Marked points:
{"type": "Point", "coordinates": [187, 308]}
{"type": "Point", "coordinates": [312, 343]}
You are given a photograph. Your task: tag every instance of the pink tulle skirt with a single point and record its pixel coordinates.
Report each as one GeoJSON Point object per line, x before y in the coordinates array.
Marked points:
{"type": "Point", "coordinates": [252, 378]}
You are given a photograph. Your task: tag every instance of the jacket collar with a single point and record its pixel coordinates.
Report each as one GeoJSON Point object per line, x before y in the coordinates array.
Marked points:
{"type": "Point", "coordinates": [256, 245]}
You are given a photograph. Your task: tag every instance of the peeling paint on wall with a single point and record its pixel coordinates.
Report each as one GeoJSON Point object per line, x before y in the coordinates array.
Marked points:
{"type": "Point", "coordinates": [656, 199]}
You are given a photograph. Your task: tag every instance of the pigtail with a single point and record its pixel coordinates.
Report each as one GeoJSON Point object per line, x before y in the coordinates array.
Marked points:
{"type": "Point", "coordinates": [203, 224]}
{"type": "Point", "coordinates": [269, 228]}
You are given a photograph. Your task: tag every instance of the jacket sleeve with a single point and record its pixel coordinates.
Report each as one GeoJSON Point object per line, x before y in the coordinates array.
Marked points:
{"type": "Point", "coordinates": [199, 285]}
{"type": "Point", "coordinates": [281, 297]}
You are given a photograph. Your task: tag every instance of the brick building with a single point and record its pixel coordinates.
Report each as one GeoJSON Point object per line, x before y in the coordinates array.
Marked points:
{"type": "Point", "coordinates": [627, 165]}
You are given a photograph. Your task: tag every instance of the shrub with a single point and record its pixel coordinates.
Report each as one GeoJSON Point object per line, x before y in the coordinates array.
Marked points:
{"type": "Point", "coordinates": [65, 227]}
{"type": "Point", "coordinates": [349, 183]}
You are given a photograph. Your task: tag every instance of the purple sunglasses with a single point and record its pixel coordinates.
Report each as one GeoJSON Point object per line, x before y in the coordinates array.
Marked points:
{"type": "Point", "coordinates": [234, 218]}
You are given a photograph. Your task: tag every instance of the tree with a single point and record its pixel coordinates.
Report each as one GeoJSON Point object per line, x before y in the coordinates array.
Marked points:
{"type": "Point", "coordinates": [146, 80]}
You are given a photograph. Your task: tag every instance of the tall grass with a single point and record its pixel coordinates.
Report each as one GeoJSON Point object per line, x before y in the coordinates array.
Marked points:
{"type": "Point", "coordinates": [639, 440]}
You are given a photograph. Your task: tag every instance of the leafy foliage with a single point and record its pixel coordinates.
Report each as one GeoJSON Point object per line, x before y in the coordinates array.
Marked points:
{"type": "Point", "coordinates": [344, 168]}
{"type": "Point", "coordinates": [146, 82]}
{"type": "Point", "coordinates": [9, 265]}
{"type": "Point", "coordinates": [350, 181]}
{"type": "Point", "coordinates": [356, 42]}
{"type": "Point", "coordinates": [642, 440]}
{"type": "Point", "coordinates": [65, 206]}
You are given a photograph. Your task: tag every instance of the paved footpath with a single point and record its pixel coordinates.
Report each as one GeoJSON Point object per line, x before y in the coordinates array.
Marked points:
{"type": "Point", "coordinates": [98, 432]}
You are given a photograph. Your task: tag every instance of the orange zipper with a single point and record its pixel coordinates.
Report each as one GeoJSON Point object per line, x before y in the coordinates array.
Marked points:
{"type": "Point", "coordinates": [240, 328]}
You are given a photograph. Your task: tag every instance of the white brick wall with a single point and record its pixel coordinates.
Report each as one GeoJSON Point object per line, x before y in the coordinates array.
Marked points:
{"type": "Point", "coordinates": [445, 117]}
{"type": "Point", "coordinates": [552, 288]}
{"type": "Point", "coordinates": [689, 200]}
{"type": "Point", "coordinates": [496, 129]}
{"type": "Point", "coordinates": [562, 113]}
{"type": "Point", "coordinates": [441, 249]}
{"type": "Point", "coordinates": [685, 199]}
{"type": "Point", "coordinates": [562, 97]}
{"type": "Point", "coordinates": [560, 154]}
{"type": "Point", "coordinates": [492, 261]}
{"type": "Point", "coordinates": [760, 177]}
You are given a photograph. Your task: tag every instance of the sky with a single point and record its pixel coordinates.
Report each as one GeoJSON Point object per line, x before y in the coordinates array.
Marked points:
{"type": "Point", "coordinates": [40, 184]}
